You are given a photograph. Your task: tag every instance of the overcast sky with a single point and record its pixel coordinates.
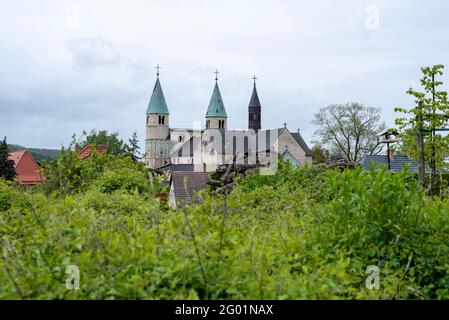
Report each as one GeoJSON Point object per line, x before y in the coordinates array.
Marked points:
{"type": "Point", "coordinates": [68, 66]}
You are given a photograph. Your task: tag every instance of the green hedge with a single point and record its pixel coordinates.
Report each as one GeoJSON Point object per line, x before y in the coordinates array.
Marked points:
{"type": "Point", "coordinates": [304, 233]}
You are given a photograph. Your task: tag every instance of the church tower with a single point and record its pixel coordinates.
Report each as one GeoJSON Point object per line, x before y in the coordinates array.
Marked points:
{"type": "Point", "coordinates": [254, 110]}
{"type": "Point", "coordinates": [157, 142]}
{"type": "Point", "coordinates": [216, 117]}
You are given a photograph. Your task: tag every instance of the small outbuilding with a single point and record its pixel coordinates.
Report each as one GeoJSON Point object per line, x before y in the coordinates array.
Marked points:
{"type": "Point", "coordinates": [397, 162]}
{"type": "Point", "coordinates": [184, 187]}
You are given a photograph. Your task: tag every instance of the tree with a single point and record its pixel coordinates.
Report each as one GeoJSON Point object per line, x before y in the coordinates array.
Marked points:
{"type": "Point", "coordinates": [320, 154]}
{"type": "Point", "coordinates": [432, 114]}
{"type": "Point", "coordinates": [7, 170]}
{"type": "Point", "coordinates": [133, 148]}
{"type": "Point", "coordinates": [349, 129]}
{"type": "Point", "coordinates": [113, 143]}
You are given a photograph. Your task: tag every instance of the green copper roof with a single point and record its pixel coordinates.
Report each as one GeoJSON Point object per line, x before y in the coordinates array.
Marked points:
{"type": "Point", "coordinates": [216, 107]}
{"type": "Point", "coordinates": [157, 102]}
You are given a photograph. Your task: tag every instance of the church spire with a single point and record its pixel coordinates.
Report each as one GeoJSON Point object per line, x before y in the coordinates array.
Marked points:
{"type": "Point", "coordinates": [216, 107]}
{"type": "Point", "coordinates": [216, 117]}
{"type": "Point", "coordinates": [254, 110]}
{"type": "Point", "coordinates": [157, 103]}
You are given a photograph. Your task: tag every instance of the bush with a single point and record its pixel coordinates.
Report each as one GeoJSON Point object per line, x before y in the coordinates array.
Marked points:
{"type": "Point", "coordinates": [304, 233]}
{"type": "Point", "coordinates": [123, 179]}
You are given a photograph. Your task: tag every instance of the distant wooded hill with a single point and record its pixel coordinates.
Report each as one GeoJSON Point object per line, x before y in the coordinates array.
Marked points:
{"type": "Point", "coordinates": [38, 154]}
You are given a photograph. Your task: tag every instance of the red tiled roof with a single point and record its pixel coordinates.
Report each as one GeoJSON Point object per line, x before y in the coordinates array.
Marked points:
{"type": "Point", "coordinates": [87, 150]}
{"type": "Point", "coordinates": [27, 169]}
{"type": "Point", "coordinates": [16, 156]}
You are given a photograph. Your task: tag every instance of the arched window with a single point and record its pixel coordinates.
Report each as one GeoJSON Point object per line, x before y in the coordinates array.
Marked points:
{"type": "Point", "coordinates": [163, 120]}
{"type": "Point", "coordinates": [159, 120]}
{"type": "Point", "coordinates": [207, 124]}
{"type": "Point", "coordinates": [148, 119]}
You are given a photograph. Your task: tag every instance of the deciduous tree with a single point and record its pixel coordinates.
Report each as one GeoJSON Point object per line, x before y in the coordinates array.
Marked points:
{"type": "Point", "coordinates": [349, 129]}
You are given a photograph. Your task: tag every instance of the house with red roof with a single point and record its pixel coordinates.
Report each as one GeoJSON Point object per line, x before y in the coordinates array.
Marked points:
{"type": "Point", "coordinates": [27, 169]}
{"type": "Point", "coordinates": [88, 149]}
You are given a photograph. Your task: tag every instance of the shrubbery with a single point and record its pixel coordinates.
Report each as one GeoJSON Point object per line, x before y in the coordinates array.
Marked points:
{"type": "Point", "coordinates": [305, 233]}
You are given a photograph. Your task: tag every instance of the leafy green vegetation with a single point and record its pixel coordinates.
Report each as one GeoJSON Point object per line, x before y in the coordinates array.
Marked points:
{"type": "Point", "coordinates": [7, 170]}
{"type": "Point", "coordinates": [306, 232]}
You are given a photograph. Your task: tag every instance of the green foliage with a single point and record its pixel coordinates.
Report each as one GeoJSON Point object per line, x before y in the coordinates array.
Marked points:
{"type": "Point", "coordinates": [114, 145]}
{"type": "Point", "coordinates": [7, 170]}
{"type": "Point", "coordinates": [70, 174]}
{"type": "Point", "coordinates": [123, 179]}
{"type": "Point", "coordinates": [12, 197]}
{"type": "Point", "coordinates": [132, 148]}
{"type": "Point", "coordinates": [434, 104]}
{"type": "Point", "coordinates": [303, 233]}
{"type": "Point", "coordinates": [320, 154]}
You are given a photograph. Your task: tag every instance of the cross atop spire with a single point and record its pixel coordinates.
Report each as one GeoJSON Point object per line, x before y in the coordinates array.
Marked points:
{"type": "Point", "coordinates": [254, 78]}
{"type": "Point", "coordinates": [285, 125]}
{"type": "Point", "coordinates": [157, 70]}
{"type": "Point", "coordinates": [216, 75]}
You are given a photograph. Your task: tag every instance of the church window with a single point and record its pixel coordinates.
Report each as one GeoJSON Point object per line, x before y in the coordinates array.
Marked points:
{"type": "Point", "coordinates": [163, 120]}
{"type": "Point", "coordinates": [159, 120]}
{"type": "Point", "coordinates": [207, 123]}
{"type": "Point", "coordinates": [148, 119]}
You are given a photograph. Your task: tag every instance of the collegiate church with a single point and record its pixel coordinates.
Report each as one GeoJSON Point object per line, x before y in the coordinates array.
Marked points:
{"type": "Point", "coordinates": [203, 149]}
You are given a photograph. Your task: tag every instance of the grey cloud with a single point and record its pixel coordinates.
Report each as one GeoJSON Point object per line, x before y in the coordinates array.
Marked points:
{"type": "Point", "coordinates": [56, 81]}
{"type": "Point", "coordinates": [92, 52]}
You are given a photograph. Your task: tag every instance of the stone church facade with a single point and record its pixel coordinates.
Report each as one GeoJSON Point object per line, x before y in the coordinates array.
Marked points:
{"type": "Point", "coordinates": [175, 149]}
